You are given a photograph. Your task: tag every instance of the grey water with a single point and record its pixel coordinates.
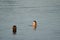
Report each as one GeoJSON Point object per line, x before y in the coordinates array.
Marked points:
{"type": "Point", "coordinates": [22, 13]}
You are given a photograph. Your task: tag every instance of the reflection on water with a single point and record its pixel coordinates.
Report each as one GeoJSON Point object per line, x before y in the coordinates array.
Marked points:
{"type": "Point", "coordinates": [23, 12]}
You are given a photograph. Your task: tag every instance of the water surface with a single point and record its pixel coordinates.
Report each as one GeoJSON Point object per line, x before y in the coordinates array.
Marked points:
{"type": "Point", "coordinates": [22, 13]}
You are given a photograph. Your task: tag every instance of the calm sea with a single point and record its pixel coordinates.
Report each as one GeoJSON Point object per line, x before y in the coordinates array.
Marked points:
{"type": "Point", "coordinates": [22, 13]}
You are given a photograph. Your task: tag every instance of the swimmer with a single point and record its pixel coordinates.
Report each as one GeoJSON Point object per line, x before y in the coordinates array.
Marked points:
{"type": "Point", "coordinates": [14, 29]}
{"type": "Point", "coordinates": [34, 24]}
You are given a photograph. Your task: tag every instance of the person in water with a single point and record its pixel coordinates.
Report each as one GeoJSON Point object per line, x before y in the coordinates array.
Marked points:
{"type": "Point", "coordinates": [14, 29]}
{"type": "Point", "coordinates": [34, 24]}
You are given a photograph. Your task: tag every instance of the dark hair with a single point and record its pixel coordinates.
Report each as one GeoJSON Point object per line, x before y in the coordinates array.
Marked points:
{"type": "Point", "coordinates": [35, 21]}
{"type": "Point", "coordinates": [14, 25]}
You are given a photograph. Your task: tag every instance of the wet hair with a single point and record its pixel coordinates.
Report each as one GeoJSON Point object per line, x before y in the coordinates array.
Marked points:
{"type": "Point", "coordinates": [35, 21]}
{"type": "Point", "coordinates": [14, 25]}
